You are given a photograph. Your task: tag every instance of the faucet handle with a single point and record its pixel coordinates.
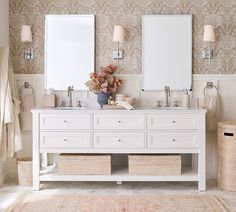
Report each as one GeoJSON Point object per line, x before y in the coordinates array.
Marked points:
{"type": "Point", "coordinates": [176, 103]}
{"type": "Point", "coordinates": [79, 103]}
{"type": "Point", "coordinates": [63, 103]}
{"type": "Point", "coordinates": [70, 88]}
{"type": "Point", "coordinates": [159, 103]}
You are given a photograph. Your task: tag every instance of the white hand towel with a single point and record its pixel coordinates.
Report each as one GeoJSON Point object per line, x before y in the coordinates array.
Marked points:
{"type": "Point", "coordinates": [27, 104]}
{"type": "Point", "coordinates": [211, 104]}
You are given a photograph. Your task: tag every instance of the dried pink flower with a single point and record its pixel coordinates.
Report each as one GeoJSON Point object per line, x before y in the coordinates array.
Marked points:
{"type": "Point", "coordinates": [103, 81]}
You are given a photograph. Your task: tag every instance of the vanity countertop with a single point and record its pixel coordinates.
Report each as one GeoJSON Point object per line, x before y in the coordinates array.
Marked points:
{"type": "Point", "coordinates": [137, 110]}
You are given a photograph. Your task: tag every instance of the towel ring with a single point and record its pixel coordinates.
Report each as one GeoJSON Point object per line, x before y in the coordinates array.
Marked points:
{"type": "Point", "coordinates": [27, 85]}
{"type": "Point", "coordinates": [210, 85]}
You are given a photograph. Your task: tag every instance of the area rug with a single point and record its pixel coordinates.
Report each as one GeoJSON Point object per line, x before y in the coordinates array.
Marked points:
{"type": "Point", "coordinates": [97, 203]}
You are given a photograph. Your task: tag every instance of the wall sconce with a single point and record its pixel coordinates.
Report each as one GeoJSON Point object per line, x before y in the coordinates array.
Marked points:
{"type": "Point", "coordinates": [26, 37]}
{"type": "Point", "coordinates": [209, 36]}
{"type": "Point", "coordinates": [118, 37]}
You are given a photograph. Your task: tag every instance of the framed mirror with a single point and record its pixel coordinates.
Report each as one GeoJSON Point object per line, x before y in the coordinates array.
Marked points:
{"type": "Point", "coordinates": [69, 50]}
{"type": "Point", "coordinates": [166, 52]}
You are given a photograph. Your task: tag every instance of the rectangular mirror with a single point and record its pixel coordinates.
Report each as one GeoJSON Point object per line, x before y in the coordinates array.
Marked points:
{"type": "Point", "coordinates": [166, 52]}
{"type": "Point", "coordinates": [69, 50]}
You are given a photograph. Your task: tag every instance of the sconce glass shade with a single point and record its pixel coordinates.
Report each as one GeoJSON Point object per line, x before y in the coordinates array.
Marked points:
{"type": "Point", "coordinates": [26, 35]}
{"type": "Point", "coordinates": [209, 34]}
{"type": "Point", "coordinates": [118, 35]}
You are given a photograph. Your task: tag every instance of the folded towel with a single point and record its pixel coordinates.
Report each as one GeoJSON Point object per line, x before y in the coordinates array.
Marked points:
{"type": "Point", "coordinates": [211, 104]}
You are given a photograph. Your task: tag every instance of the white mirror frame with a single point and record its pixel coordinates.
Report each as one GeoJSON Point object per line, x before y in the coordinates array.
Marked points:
{"type": "Point", "coordinates": [69, 51]}
{"type": "Point", "coordinates": [166, 52]}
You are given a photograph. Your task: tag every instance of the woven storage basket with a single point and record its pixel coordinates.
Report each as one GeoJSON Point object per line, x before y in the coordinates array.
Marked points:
{"type": "Point", "coordinates": [227, 156]}
{"type": "Point", "coordinates": [24, 166]}
{"type": "Point", "coordinates": [84, 164]}
{"type": "Point", "coordinates": [155, 164]}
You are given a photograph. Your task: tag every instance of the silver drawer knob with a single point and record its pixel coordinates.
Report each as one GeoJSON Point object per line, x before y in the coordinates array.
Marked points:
{"type": "Point", "coordinates": [65, 121]}
{"type": "Point", "coordinates": [173, 139]}
{"type": "Point", "coordinates": [119, 140]}
{"type": "Point", "coordinates": [119, 121]}
{"type": "Point", "coordinates": [173, 121]}
{"type": "Point", "coordinates": [66, 140]}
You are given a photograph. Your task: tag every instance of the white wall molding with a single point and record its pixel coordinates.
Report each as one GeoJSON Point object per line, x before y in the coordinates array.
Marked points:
{"type": "Point", "coordinates": [204, 77]}
{"type": "Point", "coordinates": [29, 76]}
{"type": "Point", "coordinates": [137, 76]}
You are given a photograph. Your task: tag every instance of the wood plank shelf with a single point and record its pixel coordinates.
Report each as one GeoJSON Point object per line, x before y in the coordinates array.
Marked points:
{"type": "Point", "coordinates": [121, 174]}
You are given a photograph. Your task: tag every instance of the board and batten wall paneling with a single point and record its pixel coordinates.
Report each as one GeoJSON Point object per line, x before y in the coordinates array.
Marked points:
{"type": "Point", "coordinates": [220, 13]}
{"type": "Point", "coordinates": [132, 86]}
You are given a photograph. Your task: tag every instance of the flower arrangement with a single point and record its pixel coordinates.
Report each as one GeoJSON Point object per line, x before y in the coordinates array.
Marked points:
{"type": "Point", "coordinates": [103, 80]}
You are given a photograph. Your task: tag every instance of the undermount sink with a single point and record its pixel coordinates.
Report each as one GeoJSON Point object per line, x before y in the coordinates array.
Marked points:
{"type": "Point", "coordinates": [70, 108]}
{"type": "Point", "coordinates": [170, 108]}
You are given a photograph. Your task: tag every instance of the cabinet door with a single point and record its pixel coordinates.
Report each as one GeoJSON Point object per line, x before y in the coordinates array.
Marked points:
{"type": "Point", "coordinates": [118, 140]}
{"type": "Point", "coordinates": [119, 121]}
{"type": "Point", "coordinates": [172, 140]}
{"type": "Point", "coordinates": [65, 121]}
{"type": "Point", "coordinates": [173, 121]}
{"type": "Point", "coordinates": [65, 140]}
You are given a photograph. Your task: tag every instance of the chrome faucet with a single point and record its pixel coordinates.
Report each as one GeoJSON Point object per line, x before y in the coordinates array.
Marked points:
{"type": "Point", "coordinates": [167, 93]}
{"type": "Point", "coordinates": [69, 92]}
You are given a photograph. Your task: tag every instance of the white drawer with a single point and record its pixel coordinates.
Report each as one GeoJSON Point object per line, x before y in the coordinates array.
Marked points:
{"type": "Point", "coordinates": [65, 121]}
{"type": "Point", "coordinates": [65, 140]}
{"type": "Point", "coordinates": [119, 121]}
{"type": "Point", "coordinates": [173, 140]}
{"type": "Point", "coordinates": [118, 140]}
{"type": "Point", "coordinates": [173, 121]}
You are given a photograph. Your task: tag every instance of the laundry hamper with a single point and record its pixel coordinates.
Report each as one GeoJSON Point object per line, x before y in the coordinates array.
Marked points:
{"type": "Point", "coordinates": [24, 166]}
{"type": "Point", "coordinates": [227, 156]}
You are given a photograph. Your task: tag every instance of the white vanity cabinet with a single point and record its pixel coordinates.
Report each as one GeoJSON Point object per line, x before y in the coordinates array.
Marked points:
{"type": "Point", "coordinates": [120, 132]}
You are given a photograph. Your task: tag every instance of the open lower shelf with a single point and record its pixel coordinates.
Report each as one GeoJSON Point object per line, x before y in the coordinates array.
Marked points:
{"type": "Point", "coordinates": [121, 174]}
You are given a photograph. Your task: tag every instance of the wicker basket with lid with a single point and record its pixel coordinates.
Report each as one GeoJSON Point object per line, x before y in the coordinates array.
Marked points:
{"type": "Point", "coordinates": [227, 156]}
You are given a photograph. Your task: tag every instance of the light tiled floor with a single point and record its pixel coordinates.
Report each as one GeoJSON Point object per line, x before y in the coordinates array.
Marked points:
{"type": "Point", "coordinates": [9, 192]}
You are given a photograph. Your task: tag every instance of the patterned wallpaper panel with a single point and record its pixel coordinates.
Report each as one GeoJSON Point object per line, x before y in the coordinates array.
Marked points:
{"type": "Point", "coordinates": [220, 13]}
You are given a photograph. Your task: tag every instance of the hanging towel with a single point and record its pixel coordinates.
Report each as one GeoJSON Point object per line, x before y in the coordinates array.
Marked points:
{"type": "Point", "coordinates": [27, 99]}
{"type": "Point", "coordinates": [27, 104]}
{"type": "Point", "coordinates": [211, 104]}
{"type": "Point", "coordinates": [10, 135]}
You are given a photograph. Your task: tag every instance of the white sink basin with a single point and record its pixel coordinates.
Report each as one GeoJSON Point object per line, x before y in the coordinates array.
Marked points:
{"type": "Point", "coordinates": [70, 108]}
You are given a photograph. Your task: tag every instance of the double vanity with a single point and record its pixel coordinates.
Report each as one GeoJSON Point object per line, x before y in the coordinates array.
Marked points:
{"type": "Point", "coordinates": [141, 131]}
{"type": "Point", "coordinates": [166, 62]}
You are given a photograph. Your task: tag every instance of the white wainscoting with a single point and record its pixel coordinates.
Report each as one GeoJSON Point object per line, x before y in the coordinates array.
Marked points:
{"type": "Point", "coordinates": [132, 87]}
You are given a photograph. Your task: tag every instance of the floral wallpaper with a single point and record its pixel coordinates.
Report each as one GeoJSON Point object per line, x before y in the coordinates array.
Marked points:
{"type": "Point", "coordinates": [220, 13]}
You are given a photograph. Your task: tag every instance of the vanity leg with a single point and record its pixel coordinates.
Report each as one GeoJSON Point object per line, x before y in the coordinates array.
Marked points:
{"type": "Point", "coordinates": [36, 154]}
{"type": "Point", "coordinates": [202, 157]}
{"type": "Point", "coordinates": [36, 169]}
{"type": "Point", "coordinates": [201, 172]}
{"type": "Point", "coordinates": [119, 182]}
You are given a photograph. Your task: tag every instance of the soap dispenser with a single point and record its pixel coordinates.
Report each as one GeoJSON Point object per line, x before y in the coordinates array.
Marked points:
{"type": "Point", "coordinates": [185, 98]}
